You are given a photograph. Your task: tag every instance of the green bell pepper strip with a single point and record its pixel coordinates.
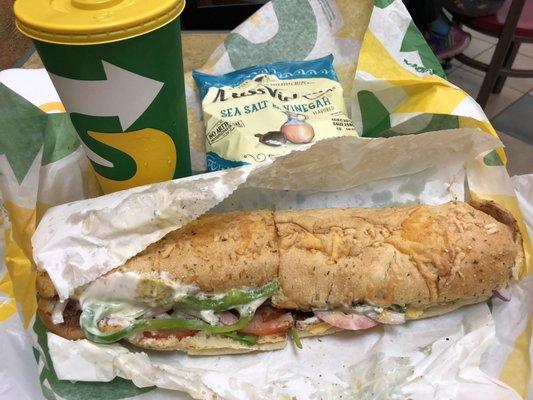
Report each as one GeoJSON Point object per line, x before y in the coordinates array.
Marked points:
{"type": "Point", "coordinates": [293, 333]}
{"type": "Point", "coordinates": [93, 314]}
{"type": "Point", "coordinates": [228, 301]}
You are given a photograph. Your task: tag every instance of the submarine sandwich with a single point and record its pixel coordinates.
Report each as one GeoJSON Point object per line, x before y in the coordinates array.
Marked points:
{"type": "Point", "coordinates": [245, 281]}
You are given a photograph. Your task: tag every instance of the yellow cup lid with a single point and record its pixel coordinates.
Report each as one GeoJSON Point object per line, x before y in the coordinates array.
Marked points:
{"type": "Point", "coordinates": [93, 21]}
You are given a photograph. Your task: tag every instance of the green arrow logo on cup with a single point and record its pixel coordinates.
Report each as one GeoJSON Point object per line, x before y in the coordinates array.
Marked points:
{"type": "Point", "coordinates": [123, 94]}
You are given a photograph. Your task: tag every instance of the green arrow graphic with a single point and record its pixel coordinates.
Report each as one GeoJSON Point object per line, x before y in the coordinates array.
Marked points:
{"type": "Point", "coordinates": [60, 138]}
{"type": "Point", "coordinates": [414, 41]}
{"type": "Point", "coordinates": [383, 3]}
{"type": "Point", "coordinates": [22, 126]}
{"type": "Point", "coordinates": [493, 159]}
{"type": "Point", "coordinates": [374, 115]}
{"type": "Point", "coordinates": [376, 118]}
{"type": "Point", "coordinates": [117, 389]}
{"type": "Point", "coordinates": [122, 93]}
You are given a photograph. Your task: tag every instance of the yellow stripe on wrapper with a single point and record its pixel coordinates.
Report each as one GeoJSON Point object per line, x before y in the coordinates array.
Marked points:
{"type": "Point", "coordinates": [18, 255]}
{"type": "Point", "coordinates": [7, 306]}
{"type": "Point", "coordinates": [425, 94]}
{"type": "Point", "coordinates": [22, 224]}
{"type": "Point", "coordinates": [41, 208]}
{"type": "Point", "coordinates": [433, 96]}
{"type": "Point", "coordinates": [55, 106]}
{"type": "Point", "coordinates": [516, 371]}
{"type": "Point", "coordinates": [428, 94]}
{"type": "Point", "coordinates": [468, 122]}
{"type": "Point", "coordinates": [22, 277]}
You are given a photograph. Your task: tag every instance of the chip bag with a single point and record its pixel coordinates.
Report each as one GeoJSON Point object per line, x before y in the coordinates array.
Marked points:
{"type": "Point", "coordinates": [261, 112]}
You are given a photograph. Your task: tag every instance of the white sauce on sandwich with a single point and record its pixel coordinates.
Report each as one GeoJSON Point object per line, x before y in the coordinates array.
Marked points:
{"type": "Point", "coordinates": [250, 307]}
{"type": "Point", "coordinates": [210, 317]}
{"type": "Point", "coordinates": [122, 287]}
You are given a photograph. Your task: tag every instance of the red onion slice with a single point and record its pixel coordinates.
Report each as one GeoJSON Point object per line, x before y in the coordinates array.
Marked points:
{"type": "Point", "coordinates": [352, 322]}
{"type": "Point", "coordinates": [227, 318]}
{"type": "Point", "coordinates": [500, 296]}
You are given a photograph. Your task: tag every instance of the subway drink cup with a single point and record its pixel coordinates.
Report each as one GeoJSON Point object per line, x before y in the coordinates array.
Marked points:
{"type": "Point", "coordinates": [117, 67]}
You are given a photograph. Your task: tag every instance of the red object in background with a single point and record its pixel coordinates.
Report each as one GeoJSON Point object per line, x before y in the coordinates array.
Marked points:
{"type": "Point", "coordinates": [494, 23]}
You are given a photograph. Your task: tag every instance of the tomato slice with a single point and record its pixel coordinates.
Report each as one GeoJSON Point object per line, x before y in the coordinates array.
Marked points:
{"type": "Point", "coordinates": [352, 322]}
{"type": "Point", "coordinates": [268, 321]}
{"type": "Point", "coordinates": [164, 334]}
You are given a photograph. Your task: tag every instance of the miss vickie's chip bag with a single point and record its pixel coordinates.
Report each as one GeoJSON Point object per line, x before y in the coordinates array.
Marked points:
{"type": "Point", "coordinates": [260, 112]}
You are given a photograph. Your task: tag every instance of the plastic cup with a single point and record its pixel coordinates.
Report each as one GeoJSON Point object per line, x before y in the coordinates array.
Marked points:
{"type": "Point", "coordinates": [117, 67]}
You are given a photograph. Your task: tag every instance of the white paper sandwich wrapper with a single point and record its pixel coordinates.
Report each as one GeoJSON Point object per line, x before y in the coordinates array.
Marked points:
{"type": "Point", "coordinates": [79, 241]}
{"type": "Point", "coordinates": [436, 358]}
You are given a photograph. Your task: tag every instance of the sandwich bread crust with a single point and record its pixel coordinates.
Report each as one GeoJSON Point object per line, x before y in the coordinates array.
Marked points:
{"type": "Point", "coordinates": [418, 256]}
{"type": "Point", "coordinates": [216, 252]}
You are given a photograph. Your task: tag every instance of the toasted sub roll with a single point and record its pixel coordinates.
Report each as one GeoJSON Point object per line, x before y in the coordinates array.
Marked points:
{"type": "Point", "coordinates": [217, 252]}
{"type": "Point", "coordinates": [417, 255]}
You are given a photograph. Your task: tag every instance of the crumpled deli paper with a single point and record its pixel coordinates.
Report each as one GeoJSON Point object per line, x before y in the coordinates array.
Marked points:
{"type": "Point", "coordinates": [436, 358]}
{"type": "Point", "coordinates": [111, 229]}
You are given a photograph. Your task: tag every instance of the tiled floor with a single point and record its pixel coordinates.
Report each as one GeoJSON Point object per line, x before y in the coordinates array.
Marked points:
{"type": "Point", "coordinates": [511, 111]}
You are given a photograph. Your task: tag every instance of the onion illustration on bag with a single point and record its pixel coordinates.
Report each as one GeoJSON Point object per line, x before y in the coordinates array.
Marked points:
{"type": "Point", "coordinates": [294, 130]}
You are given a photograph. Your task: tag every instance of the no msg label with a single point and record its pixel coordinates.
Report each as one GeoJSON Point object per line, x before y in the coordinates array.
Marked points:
{"type": "Point", "coordinates": [220, 130]}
